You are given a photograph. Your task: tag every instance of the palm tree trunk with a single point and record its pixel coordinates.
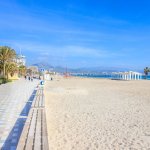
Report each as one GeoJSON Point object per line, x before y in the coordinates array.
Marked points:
{"type": "Point", "coordinates": [7, 76]}
{"type": "Point", "coordinates": [4, 70]}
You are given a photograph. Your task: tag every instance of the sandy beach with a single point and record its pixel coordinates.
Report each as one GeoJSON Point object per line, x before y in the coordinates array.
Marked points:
{"type": "Point", "coordinates": [88, 114]}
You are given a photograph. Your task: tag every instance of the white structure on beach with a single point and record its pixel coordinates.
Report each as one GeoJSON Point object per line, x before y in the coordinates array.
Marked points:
{"type": "Point", "coordinates": [47, 77]}
{"type": "Point", "coordinates": [127, 75]}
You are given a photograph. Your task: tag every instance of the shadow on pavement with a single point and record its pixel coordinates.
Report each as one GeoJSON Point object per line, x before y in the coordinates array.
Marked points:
{"type": "Point", "coordinates": [13, 138]}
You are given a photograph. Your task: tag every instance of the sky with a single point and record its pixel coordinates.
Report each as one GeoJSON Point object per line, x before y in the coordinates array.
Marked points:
{"type": "Point", "coordinates": [78, 33]}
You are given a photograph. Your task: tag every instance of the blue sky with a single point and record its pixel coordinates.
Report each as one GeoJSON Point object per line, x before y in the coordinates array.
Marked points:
{"type": "Point", "coordinates": [78, 33]}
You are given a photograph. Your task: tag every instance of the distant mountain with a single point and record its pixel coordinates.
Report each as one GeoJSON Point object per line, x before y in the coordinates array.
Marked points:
{"type": "Point", "coordinates": [94, 69]}
{"type": "Point", "coordinates": [45, 66]}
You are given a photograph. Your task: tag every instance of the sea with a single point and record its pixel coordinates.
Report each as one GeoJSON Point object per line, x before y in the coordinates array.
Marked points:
{"type": "Point", "coordinates": [107, 76]}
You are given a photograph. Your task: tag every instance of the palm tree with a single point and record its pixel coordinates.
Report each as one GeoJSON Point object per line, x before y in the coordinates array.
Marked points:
{"type": "Point", "coordinates": [7, 55]}
{"type": "Point", "coordinates": [22, 70]}
{"type": "Point", "coordinates": [146, 70]}
{"type": "Point", "coordinates": [11, 68]}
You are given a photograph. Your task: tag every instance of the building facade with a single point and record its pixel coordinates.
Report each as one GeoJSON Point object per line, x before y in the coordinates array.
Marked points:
{"type": "Point", "coordinates": [21, 60]}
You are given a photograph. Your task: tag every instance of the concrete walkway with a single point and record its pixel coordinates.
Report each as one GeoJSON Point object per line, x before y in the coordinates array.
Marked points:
{"type": "Point", "coordinates": [15, 102]}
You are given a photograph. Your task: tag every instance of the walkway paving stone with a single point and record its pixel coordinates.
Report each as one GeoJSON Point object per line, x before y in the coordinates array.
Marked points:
{"type": "Point", "coordinates": [15, 102]}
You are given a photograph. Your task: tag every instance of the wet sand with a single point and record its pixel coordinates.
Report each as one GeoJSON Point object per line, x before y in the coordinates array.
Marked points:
{"type": "Point", "coordinates": [98, 114]}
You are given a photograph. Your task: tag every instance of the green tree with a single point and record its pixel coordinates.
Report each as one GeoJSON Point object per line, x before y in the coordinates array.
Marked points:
{"type": "Point", "coordinates": [7, 55]}
{"type": "Point", "coordinates": [11, 68]}
{"type": "Point", "coordinates": [22, 70]}
{"type": "Point", "coordinates": [146, 71]}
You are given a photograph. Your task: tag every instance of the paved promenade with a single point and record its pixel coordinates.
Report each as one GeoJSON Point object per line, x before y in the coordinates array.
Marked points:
{"type": "Point", "coordinates": [15, 102]}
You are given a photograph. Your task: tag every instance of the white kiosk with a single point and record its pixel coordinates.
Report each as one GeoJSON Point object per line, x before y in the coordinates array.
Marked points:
{"type": "Point", "coordinates": [127, 75]}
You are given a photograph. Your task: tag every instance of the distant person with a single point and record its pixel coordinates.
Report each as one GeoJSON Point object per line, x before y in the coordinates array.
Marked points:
{"type": "Point", "coordinates": [32, 79]}
{"type": "Point", "coordinates": [51, 78]}
{"type": "Point", "coordinates": [25, 77]}
{"type": "Point", "coordinates": [29, 78]}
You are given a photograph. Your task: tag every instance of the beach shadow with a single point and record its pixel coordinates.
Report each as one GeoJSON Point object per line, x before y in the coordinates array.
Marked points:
{"type": "Point", "coordinates": [12, 140]}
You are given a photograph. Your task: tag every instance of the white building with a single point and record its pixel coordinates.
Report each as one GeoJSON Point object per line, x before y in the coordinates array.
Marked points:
{"type": "Point", "coordinates": [21, 60]}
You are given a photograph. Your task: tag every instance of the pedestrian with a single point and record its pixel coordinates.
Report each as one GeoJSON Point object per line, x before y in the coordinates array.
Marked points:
{"type": "Point", "coordinates": [29, 78]}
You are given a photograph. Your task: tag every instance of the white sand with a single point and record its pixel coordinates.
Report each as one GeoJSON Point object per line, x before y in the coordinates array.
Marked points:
{"type": "Point", "coordinates": [98, 114]}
